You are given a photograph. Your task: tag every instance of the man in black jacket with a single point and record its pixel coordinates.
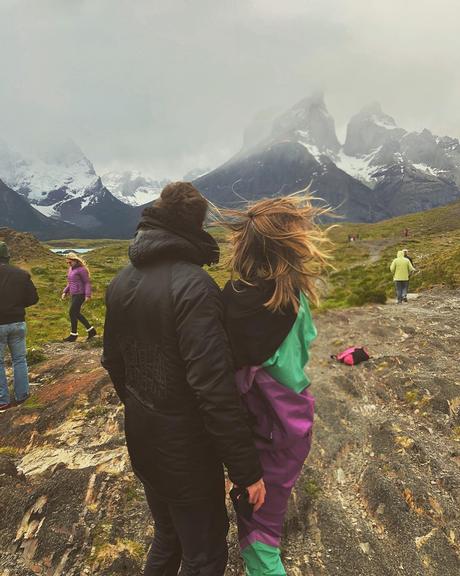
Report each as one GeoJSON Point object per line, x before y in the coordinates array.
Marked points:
{"type": "Point", "coordinates": [17, 292]}
{"type": "Point", "coordinates": [168, 356]}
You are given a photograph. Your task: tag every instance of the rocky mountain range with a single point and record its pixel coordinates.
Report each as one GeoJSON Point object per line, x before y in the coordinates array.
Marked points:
{"type": "Point", "coordinates": [62, 185]}
{"type": "Point", "coordinates": [380, 171]}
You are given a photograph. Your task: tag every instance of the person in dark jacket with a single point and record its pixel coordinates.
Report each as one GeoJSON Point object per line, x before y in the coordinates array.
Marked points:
{"type": "Point", "coordinates": [17, 292]}
{"type": "Point", "coordinates": [169, 359]}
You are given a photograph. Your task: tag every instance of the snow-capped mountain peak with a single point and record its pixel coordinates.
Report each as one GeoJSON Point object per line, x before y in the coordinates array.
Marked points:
{"type": "Point", "coordinates": [62, 167]}
{"type": "Point", "coordinates": [310, 123]}
{"type": "Point", "coordinates": [133, 187]}
{"type": "Point", "coordinates": [370, 129]}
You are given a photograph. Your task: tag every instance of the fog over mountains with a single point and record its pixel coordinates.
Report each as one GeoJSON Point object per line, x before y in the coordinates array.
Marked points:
{"type": "Point", "coordinates": [380, 171]}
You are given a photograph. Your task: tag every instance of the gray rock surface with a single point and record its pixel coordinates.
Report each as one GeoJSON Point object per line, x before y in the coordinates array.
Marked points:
{"type": "Point", "coordinates": [378, 496]}
{"type": "Point", "coordinates": [370, 129]}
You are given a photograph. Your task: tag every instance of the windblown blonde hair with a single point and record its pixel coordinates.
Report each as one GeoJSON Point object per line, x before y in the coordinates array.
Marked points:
{"type": "Point", "coordinates": [78, 258]}
{"type": "Point", "coordinates": [278, 240]}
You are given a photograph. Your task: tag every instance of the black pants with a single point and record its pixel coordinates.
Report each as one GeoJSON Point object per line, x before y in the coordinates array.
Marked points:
{"type": "Point", "coordinates": [193, 534]}
{"type": "Point", "coordinates": [75, 314]}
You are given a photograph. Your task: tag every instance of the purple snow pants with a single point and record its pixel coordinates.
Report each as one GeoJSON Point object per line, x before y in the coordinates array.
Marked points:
{"type": "Point", "coordinates": [283, 421]}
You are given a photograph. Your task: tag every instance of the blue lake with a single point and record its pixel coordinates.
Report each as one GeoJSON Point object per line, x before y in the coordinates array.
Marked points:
{"type": "Point", "coordinates": [67, 250]}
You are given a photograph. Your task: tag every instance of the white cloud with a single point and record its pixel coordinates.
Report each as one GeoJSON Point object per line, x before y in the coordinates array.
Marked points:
{"type": "Point", "coordinates": [159, 85]}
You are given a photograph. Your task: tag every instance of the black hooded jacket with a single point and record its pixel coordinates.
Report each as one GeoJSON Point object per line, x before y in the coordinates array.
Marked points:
{"type": "Point", "coordinates": [17, 292]}
{"type": "Point", "coordinates": [168, 356]}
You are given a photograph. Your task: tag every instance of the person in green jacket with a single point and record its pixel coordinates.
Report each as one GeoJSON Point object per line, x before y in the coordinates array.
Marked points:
{"type": "Point", "coordinates": [401, 268]}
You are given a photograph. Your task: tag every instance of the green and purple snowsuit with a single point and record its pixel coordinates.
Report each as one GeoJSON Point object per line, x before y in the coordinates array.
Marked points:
{"type": "Point", "coordinates": [271, 351]}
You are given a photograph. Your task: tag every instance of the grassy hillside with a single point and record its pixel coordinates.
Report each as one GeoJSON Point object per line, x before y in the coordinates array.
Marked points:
{"type": "Point", "coordinates": [361, 274]}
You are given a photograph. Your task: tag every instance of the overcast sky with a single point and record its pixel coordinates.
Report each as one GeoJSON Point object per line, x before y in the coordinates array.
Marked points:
{"type": "Point", "coordinates": [165, 86]}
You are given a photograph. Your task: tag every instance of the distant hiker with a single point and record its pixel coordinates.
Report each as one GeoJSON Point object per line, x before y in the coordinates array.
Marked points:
{"type": "Point", "coordinates": [401, 268]}
{"type": "Point", "coordinates": [17, 292]}
{"type": "Point", "coordinates": [277, 255]}
{"type": "Point", "coordinates": [169, 359]}
{"type": "Point", "coordinates": [79, 288]}
{"type": "Point", "coordinates": [406, 255]}
{"type": "Point", "coordinates": [406, 232]}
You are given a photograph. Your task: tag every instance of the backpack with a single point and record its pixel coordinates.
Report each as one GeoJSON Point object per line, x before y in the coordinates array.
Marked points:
{"type": "Point", "coordinates": [352, 356]}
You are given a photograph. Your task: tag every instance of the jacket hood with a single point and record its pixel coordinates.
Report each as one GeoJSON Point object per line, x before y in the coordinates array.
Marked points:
{"type": "Point", "coordinates": [255, 332]}
{"type": "Point", "coordinates": [159, 238]}
{"type": "Point", "coordinates": [400, 254]}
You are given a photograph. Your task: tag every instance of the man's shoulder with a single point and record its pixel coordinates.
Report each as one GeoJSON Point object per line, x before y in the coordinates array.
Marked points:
{"type": "Point", "coordinates": [192, 276]}
{"type": "Point", "coordinates": [15, 271]}
{"type": "Point", "coordinates": [122, 274]}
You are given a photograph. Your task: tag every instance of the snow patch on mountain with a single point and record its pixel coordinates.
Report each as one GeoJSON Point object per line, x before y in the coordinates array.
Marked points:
{"type": "Point", "coordinates": [304, 138]}
{"type": "Point", "coordinates": [48, 211]}
{"type": "Point", "coordinates": [132, 187]}
{"type": "Point", "coordinates": [427, 169]}
{"type": "Point", "coordinates": [35, 177]}
{"type": "Point", "coordinates": [360, 167]}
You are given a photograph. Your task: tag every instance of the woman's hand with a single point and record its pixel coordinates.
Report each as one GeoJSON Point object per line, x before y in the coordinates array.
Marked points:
{"type": "Point", "coordinates": [63, 295]}
{"type": "Point", "coordinates": [257, 494]}
{"type": "Point", "coordinates": [87, 298]}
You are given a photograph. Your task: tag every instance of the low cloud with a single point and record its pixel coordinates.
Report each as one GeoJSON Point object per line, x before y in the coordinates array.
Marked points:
{"type": "Point", "coordinates": [167, 85]}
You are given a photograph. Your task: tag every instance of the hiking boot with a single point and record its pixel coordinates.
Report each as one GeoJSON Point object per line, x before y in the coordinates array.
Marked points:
{"type": "Point", "coordinates": [19, 402]}
{"type": "Point", "coordinates": [71, 338]}
{"type": "Point", "coordinates": [91, 333]}
{"type": "Point", "coordinates": [4, 407]}
{"type": "Point", "coordinates": [405, 299]}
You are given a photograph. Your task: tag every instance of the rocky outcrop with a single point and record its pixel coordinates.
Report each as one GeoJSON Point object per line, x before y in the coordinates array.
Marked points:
{"type": "Point", "coordinates": [309, 121]}
{"type": "Point", "coordinates": [379, 494]}
{"type": "Point", "coordinates": [24, 247]}
{"type": "Point", "coordinates": [403, 187]}
{"type": "Point", "coordinates": [369, 130]}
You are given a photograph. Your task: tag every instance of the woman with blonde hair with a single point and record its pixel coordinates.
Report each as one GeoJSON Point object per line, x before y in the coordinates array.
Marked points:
{"type": "Point", "coordinates": [278, 252]}
{"type": "Point", "coordinates": [79, 288]}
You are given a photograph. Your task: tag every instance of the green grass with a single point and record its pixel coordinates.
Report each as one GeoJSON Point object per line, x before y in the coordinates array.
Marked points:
{"type": "Point", "coordinates": [32, 403]}
{"type": "Point", "coordinates": [434, 242]}
{"type": "Point", "coordinates": [48, 320]}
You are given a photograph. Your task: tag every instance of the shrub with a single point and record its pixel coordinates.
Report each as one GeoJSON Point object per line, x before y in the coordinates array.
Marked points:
{"type": "Point", "coordinates": [363, 296]}
{"type": "Point", "coordinates": [35, 356]}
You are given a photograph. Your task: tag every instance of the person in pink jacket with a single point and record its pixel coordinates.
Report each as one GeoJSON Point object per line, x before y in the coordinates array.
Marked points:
{"type": "Point", "coordinates": [79, 289]}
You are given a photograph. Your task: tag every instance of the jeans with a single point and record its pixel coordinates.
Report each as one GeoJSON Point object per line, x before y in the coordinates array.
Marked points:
{"type": "Point", "coordinates": [401, 289]}
{"type": "Point", "coordinates": [75, 314]}
{"type": "Point", "coordinates": [191, 537]}
{"type": "Point", "coordinates": [13, 336]}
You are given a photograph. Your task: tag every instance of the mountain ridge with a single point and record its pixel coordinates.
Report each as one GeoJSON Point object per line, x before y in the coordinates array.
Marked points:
{"type": "Point", "coordinates": [380, 171]}
{"type": "Point", "coordinates": [402, 172]}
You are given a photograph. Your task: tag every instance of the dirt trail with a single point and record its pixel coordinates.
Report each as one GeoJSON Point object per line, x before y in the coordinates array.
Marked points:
{"type": "Point", "coordinates": [381, 490]}
{"type": "Point", "coordinates": [379, 495]}
{"type": "Point", "coordinates": [374, 248]}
